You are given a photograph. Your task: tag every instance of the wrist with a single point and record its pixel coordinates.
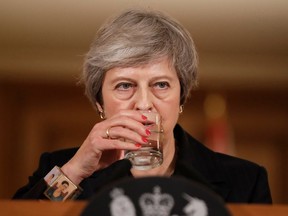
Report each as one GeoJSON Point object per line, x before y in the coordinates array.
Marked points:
{"type": "Point", "coordinates": [71, 173]}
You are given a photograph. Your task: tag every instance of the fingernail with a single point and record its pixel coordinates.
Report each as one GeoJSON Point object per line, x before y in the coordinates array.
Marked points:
{"type": "Point", "coordinates": [138, 145]}
{"type": "Point", "coordinates": [144, 117]}
{"type": "Point", "coordinates": [144, 139]}
{"type": "Point", "coordinates": [148, 132]}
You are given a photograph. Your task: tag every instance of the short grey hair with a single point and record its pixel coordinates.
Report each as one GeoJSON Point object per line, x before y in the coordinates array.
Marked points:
{"type": "Point", "coordinates": [137, 37]}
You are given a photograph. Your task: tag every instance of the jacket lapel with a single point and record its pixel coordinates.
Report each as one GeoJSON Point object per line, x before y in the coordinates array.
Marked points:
{"type": "Point", "coordinates": [195, 158]}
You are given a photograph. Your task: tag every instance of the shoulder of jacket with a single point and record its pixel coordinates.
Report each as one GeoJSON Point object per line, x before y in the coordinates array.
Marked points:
{"type": "Point", "coordinates": [237, 164]}
{"type": "Point", "coordinates": [58, 157]}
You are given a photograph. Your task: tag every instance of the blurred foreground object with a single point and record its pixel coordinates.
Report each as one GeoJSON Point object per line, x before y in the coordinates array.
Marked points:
{"type": "Point", "coordinates": [156, 196]}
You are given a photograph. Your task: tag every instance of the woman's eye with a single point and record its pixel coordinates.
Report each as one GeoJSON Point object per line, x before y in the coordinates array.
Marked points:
{"type": "Point", "coordinates": [162, 85]}
{"type": "Point", "coordinates": [124, 86]}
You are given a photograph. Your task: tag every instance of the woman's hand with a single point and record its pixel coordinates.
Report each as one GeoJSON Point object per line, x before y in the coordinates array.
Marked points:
{"type": "Point", "coordinates": [106, 143]}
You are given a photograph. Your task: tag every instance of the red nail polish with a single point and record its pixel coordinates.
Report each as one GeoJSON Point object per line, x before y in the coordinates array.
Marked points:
{"type": "Point", "coordinates": [148, 132]}
{"type": "Point", "coordinates": [144, 117]}
{"type": "Point", "coordinates": [144, 139]}
{"type": "Point", "coordinates": [138, 145]}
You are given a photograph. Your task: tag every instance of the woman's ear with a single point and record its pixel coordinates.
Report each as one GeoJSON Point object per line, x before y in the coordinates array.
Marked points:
{"type": "Point", "coordinates": [100, 111]}
{"type": "Point", "coordinates": [99, 107]}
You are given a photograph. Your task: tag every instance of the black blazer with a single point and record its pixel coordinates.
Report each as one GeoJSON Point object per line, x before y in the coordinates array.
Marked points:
{"type": "Point", "coordinates": [235, 180]}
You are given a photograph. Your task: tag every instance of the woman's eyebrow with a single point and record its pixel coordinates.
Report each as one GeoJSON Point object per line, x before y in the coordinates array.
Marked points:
{"type": "Point", "coordinates": [122, 78]}
{"type": "Point", "coordinates": [167, 77]}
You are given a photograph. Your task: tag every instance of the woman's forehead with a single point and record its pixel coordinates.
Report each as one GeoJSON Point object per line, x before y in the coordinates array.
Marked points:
{"type": "Point", "coordinates": [153, 69]}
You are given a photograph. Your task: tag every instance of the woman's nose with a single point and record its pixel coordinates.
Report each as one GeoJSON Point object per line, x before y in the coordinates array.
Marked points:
{"type": "Point", "coordinates": [143, 100]}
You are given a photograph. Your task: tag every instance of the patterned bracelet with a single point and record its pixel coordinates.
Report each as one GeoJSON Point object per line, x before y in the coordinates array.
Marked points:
{"type": "Point", "coordinates": [60, 187]}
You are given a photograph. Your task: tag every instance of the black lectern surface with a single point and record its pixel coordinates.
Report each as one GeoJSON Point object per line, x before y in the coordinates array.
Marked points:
{"type": "Point", "coordinates": [156, 196]}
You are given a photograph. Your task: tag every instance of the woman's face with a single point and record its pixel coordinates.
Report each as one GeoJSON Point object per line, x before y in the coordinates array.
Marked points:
{"type": "Point", "coordinates": [153, 87]}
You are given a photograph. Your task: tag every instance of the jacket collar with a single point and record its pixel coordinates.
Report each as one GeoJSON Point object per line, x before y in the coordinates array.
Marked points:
{"type": "Point", "coordinates": [195, 157]}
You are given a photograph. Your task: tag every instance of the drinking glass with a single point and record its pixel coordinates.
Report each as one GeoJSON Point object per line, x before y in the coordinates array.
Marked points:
{"type": "Point", "coordinates": [150, 155]}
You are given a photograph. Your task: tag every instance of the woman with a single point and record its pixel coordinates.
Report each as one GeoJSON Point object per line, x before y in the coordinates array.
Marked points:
{"type": "Point", "coordinates": [144, 60]}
